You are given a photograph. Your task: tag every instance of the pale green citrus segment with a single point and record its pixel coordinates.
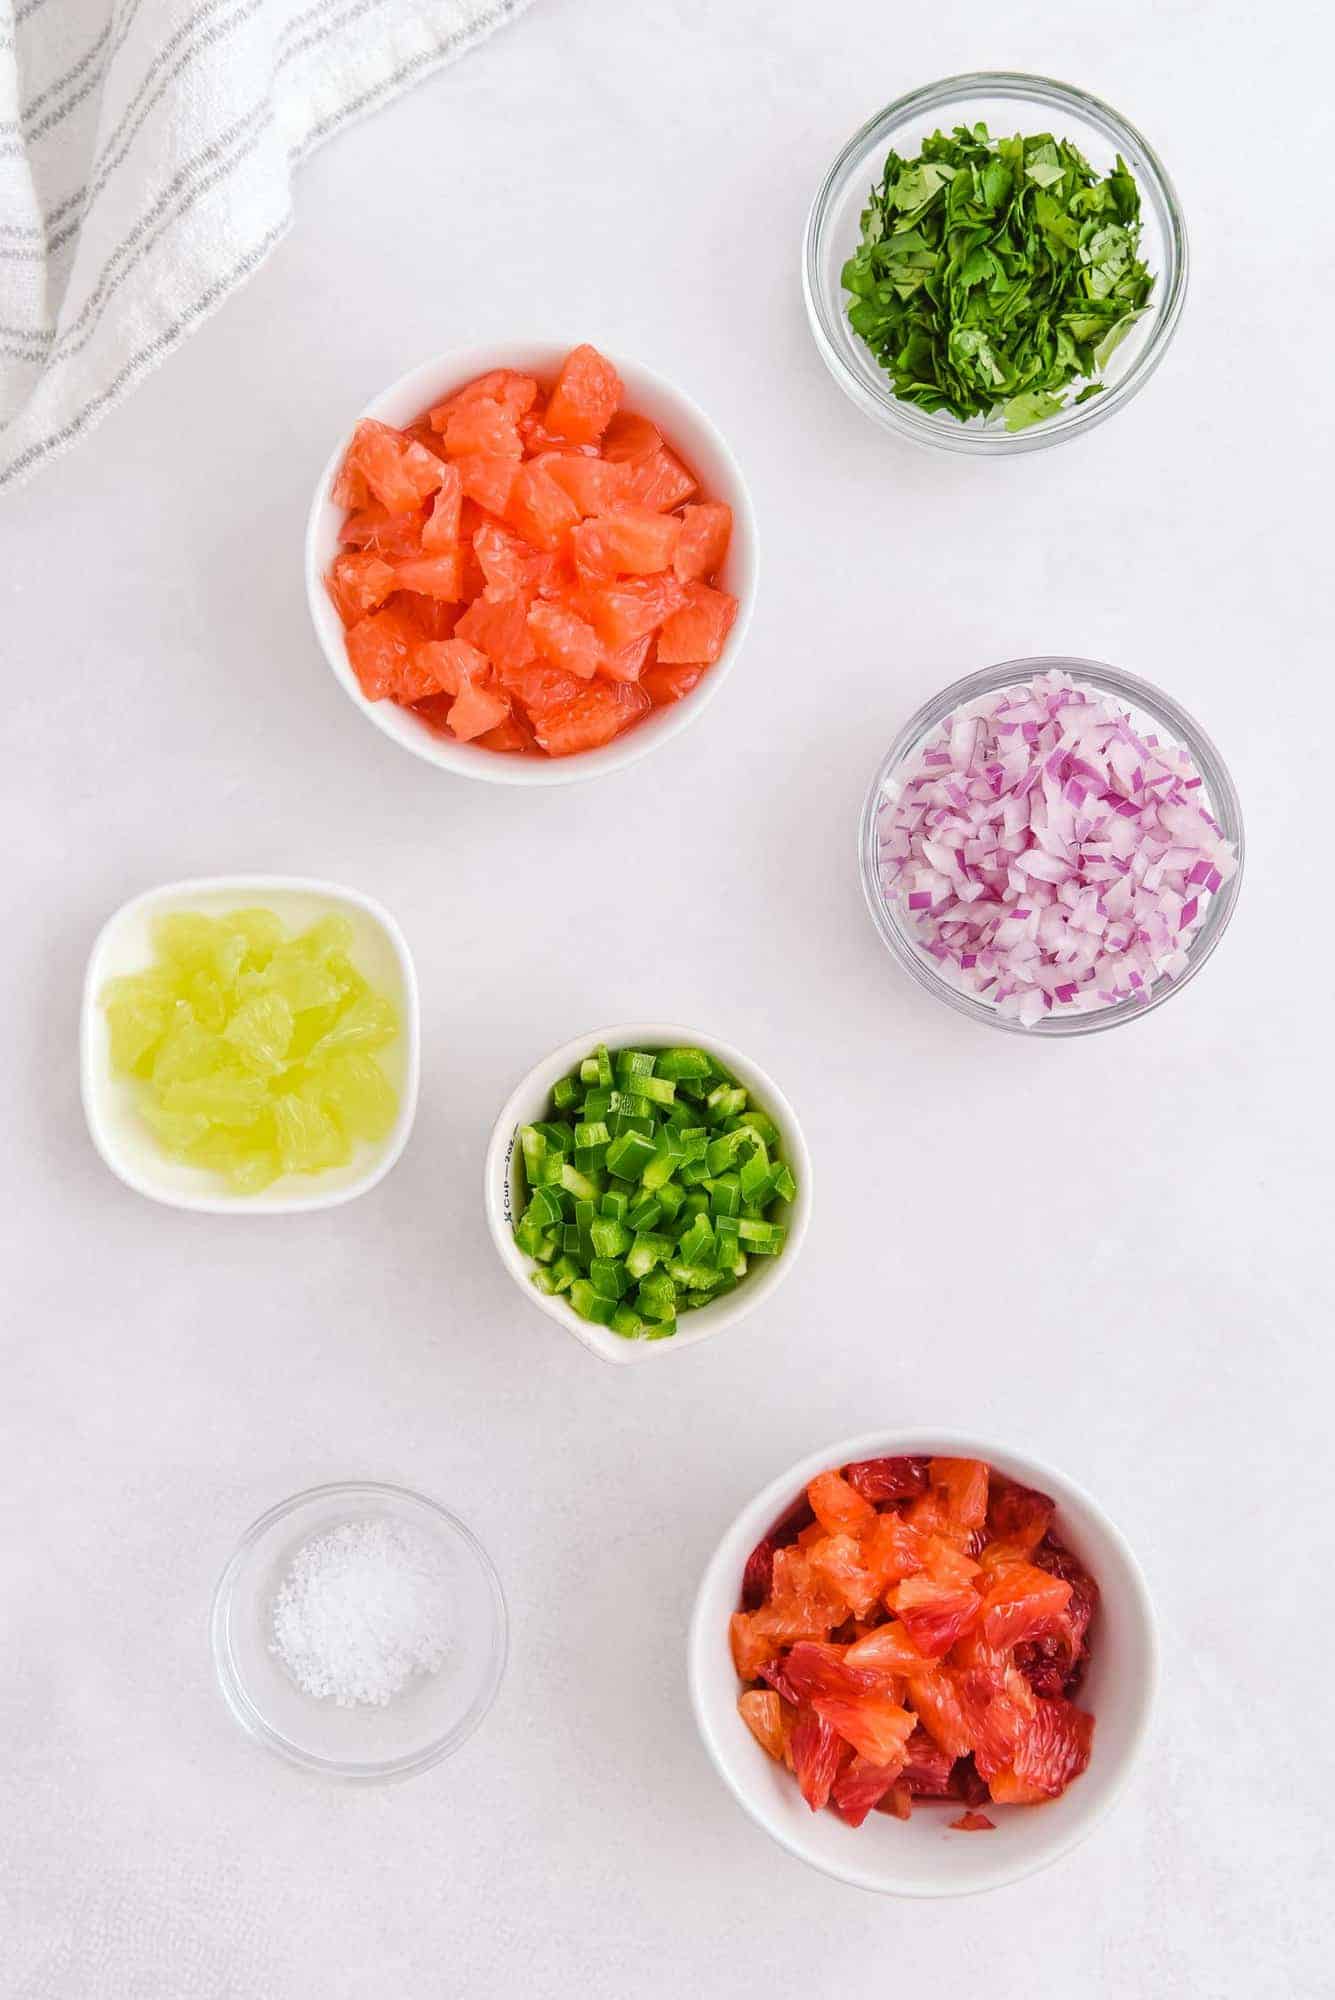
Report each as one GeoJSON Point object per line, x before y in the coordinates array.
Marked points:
{"type": "Point", "coordinates": [252, 1051]}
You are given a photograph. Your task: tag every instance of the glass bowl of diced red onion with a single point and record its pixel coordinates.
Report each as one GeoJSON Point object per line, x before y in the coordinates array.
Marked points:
{"type": "Point", "coordinates": [1052, 846]}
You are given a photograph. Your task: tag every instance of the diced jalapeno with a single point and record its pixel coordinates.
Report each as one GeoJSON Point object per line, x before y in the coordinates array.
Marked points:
{"type": "Point", "coordinates": [649, 1187]}
{"type": "Point", "coordinates": [590, 1304]}
{"type": "Point", "coordinates": [762, 1239]}
{"type": "Point", "coordinates": [629, 1154]}
{"type": "Point", "coordinates": [725, 1195]}
{"type": "Point", "coordinates": [679, 1063]}
{"type": "Point", "coordinates": [609, 1237]}
{"type": "Point", "coordinates": [608, 1277]}
{"type": "Point", "coordinates": [582, 1186]}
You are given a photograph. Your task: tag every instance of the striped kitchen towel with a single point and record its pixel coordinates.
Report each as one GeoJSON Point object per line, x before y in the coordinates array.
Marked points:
{"type": "Point", "coordinates": [146, 158]}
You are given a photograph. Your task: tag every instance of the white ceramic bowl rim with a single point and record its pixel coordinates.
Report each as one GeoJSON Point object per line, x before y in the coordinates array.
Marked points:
{"type": "Point", "coordinates": [287, 1196]}
{"type": "Point", "coordinates": [416, 390]}
{"type": "Point", "coordinates": [534, 1089]}
{"type": "Point", "coordinates": [719, 1594]}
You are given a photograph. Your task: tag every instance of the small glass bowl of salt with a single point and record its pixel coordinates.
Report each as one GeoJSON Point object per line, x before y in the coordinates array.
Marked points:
{"type": "Point", "coordinates": [359, 1631]}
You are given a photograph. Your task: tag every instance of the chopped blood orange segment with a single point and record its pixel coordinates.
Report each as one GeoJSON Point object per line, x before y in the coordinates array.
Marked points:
{"type": "Point", "coordinates": [818, 1753]}
{"type": "Point", "coordinates": [818, 1668]}
{"type": "Point", "coordinates": [928, 1769]}
{"type": "Point", "coordinates": [754, 1643]}
{"type": "Point", "coordinates": [894, 1550]}
{"type": "Point", "coordinates": [898, 1801]}
{"type": "Point", "coordinates": [838, 1507]}
{"type": "Point", "coordinates": [1022, 1603]}
{"type": "Point", "coordinates": [839, 1558]}
{"type": "Point", "coordinates": [860, 1786]}
{"type": "Point", "coordinates": [959, 1486]}
{"type": "Point", "coordinates": [762, 1712]}
{"type": "Point", "coordinates": [800, 1597]}
{"type": "Point", "coordinates": [999, 1704]}
{"type": "Point", "coordinates": [936, 1701]}
{"type": "Point", "coordinates": [926, 1630]}
{"type": "Point", "coordinates": [888, 1478]}
{"type": "Point", "coordinates": [556, 537]}
{"type": "Point", "coordinates": [935, 1614]}
{"type": "Point", "coordinates": [944, 1563]}
{"type": "Point", "coordinates": [1017, 1515]}
{"type": "Point", "coordinates": [1052, 1747]}
{"type": "Point", "coordinates": [888, 1647]}
{"type": "Point", "coordinates": [873, 1723]}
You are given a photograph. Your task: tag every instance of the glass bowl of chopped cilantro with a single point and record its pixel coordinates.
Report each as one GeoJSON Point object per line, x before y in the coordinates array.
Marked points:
{"type": "Point", "coordinates": [646, 1186]}
{"type": "Point", "coordinates": [995, 263]}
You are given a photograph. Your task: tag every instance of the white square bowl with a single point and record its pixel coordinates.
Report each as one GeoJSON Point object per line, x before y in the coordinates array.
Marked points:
{"type": "Point", "coordinates": [124, 945]}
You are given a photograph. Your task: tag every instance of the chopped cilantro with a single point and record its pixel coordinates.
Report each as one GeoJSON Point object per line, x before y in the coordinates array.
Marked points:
{"type": "Point", "coordinates": [995, 273]}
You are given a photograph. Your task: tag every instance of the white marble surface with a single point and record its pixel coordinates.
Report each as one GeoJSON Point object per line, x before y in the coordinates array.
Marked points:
{"type": "Point", "coordinates": [1105, 1250]}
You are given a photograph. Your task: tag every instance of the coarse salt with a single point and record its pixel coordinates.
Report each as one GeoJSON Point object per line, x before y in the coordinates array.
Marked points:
{"type": "Point", "coordinates": [364, 1608]}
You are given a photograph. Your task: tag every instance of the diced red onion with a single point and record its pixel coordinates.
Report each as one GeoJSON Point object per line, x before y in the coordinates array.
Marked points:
{"type": "Point", "coordinates": [1047, 856]}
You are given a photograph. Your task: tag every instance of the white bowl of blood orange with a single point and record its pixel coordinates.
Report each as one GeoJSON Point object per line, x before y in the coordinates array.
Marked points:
{"type": "Point", "coordinates": [687, 431]}
{"type": "Point", "coordinates": [925, 1856]}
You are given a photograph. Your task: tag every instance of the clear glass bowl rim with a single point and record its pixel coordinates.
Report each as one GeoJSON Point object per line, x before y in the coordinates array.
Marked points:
{"type": "Point", "coordinates": [251, 1719]}
{"type": "Point", "coordinates": [987, 440]}
{"type": "Point", "coordinates": [1225, 806]}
